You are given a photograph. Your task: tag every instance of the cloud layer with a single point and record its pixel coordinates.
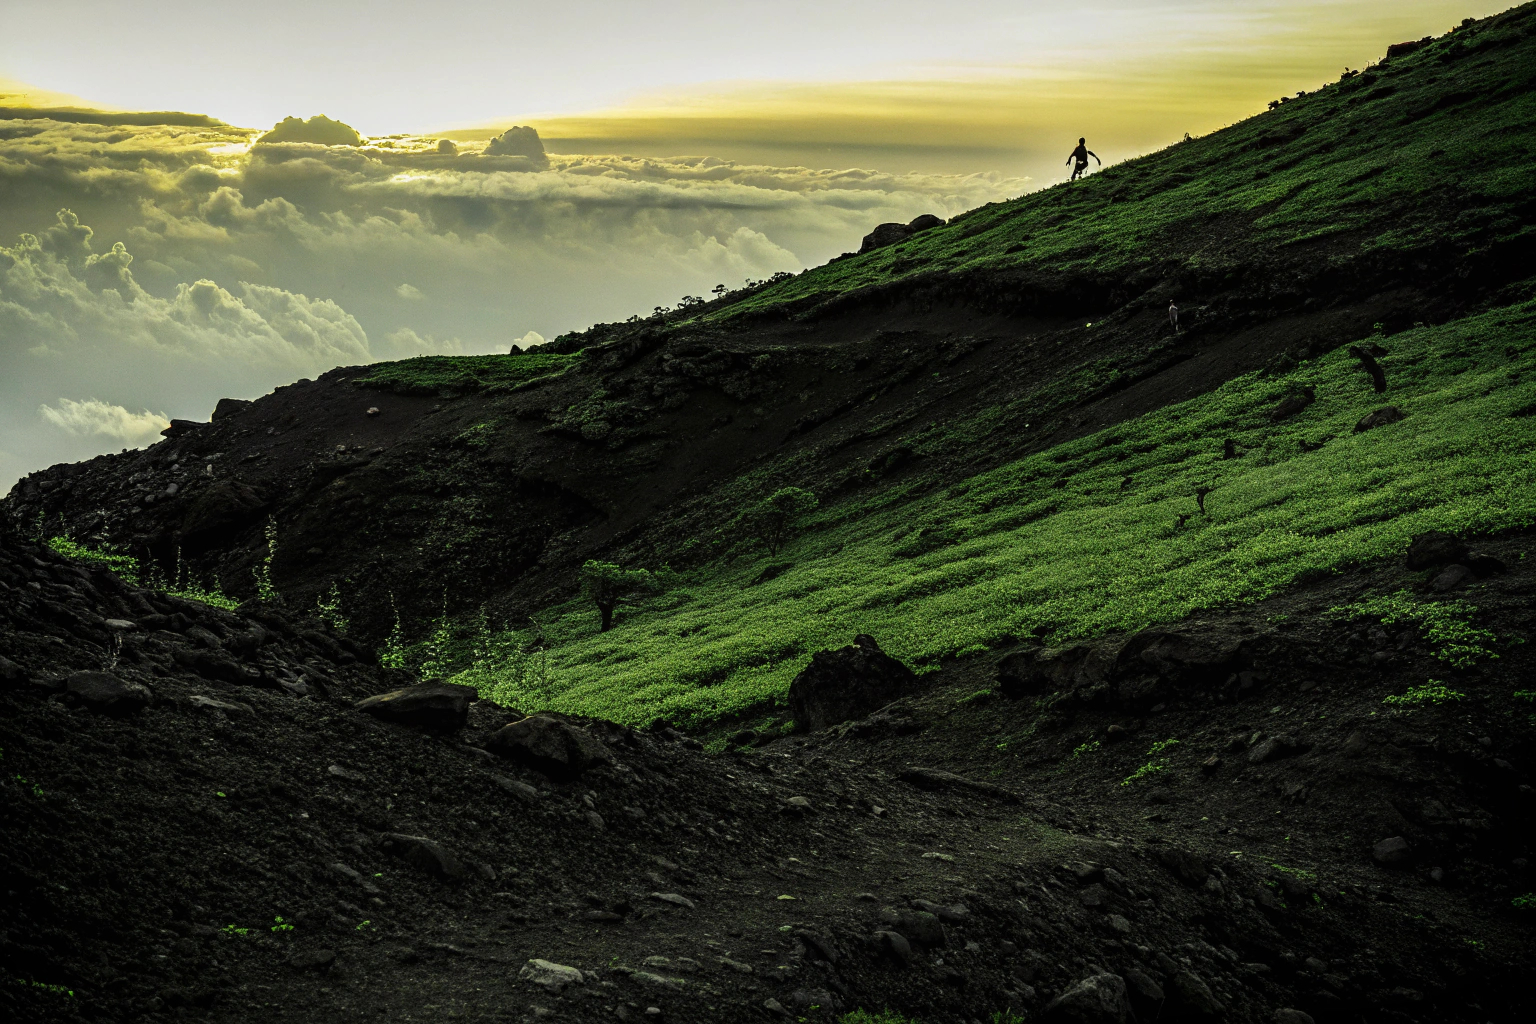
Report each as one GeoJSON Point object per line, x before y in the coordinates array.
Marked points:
{"type": "Point", "coordinates": [192, 261]}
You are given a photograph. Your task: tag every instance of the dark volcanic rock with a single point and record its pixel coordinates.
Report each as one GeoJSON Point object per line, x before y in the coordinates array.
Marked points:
{"type": "Point", "coordinates": [549, 745]}
{"type": "Point", "coordinates": [436, 707]}
{"type": "Point", "coordinates": [1434, 547]}
{"type": "Point", "coordinates": [923, 222]}
{"type": "Point", "coordinates": [1188, 867]}
{"type": "Point", "coordinates": [1045, 670]}
{"type": "Point", "coordinates": [848, 683]}
{"type": "Point", "coordinates": [1292, 404]}
{"type": "Point", "coordinates": [180, 428]}
{"type": "Point", "coordinates": [1193, 995]}
{"type": "Point", "coordinates": [1392, 852]}
{"type": "Point", "coordinates": [1097, 999]}
{"type": "Point", "coordinates": [884, 235]}
{"type": "Point", "coordinates": [1452, 577]}
{"type": "Point", "coordinates": [424, 855]}
{"type": "Point", "coordinates": [104, 692]}
{"type": "Point", "coordinates": [12, 674]}
{"type": "Point", "coordinates": [228, 407]}
{"type": "Point", "coordinates": [1380, 418]}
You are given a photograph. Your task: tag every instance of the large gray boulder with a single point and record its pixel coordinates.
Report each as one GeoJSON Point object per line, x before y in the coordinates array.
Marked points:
{"type": "Point", "coordinates": [549, 745]}
{"type": "Point", "coordinates": [848, 683]}
{"type": "Point", "coordinates": [434, 707]}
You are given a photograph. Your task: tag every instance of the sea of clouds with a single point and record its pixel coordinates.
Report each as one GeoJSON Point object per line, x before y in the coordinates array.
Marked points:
{"type": "Point", "coordinates": [148, 270]}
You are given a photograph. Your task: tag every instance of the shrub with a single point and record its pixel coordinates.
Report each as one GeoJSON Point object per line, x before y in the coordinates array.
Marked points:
{"type": "Point", "coordinates": [608, 585]}
{"type": "Point", "coordinates": [773, 521]}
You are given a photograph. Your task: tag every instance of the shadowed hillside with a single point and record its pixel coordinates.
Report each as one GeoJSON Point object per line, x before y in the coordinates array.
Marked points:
{"type": "Point", "coordinates": [982, 647]}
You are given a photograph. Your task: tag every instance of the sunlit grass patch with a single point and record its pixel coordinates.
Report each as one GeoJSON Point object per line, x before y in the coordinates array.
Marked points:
{"type": "Point", "coordinates": [1060, 545]}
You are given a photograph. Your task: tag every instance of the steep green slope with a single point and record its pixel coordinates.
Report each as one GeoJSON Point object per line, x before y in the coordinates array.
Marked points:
{"type": "Point", "coordinates": [1097, 534]}
{"type": "Point", "coordinates": [1417, 154]}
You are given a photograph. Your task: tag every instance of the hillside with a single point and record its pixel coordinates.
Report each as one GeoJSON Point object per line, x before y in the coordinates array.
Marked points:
{"type": "Point", "coordinates": [1006, 389]}
{"type": "Point", "coordinates": [1118, 673]}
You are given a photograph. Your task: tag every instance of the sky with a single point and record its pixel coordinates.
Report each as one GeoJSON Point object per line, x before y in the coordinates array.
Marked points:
{"type": "Point", "coordinates": [148, 269]}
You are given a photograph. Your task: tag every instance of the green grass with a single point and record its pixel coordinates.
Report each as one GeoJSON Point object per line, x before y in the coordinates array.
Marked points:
{"type": "Point", "coordinates": [1432, 692]}
{"type": "Point", "coordinates": [1060, 544]}
{"type": "Point", "coordinates": [132, 570]}
{"type": "Point", "coordinates": [1446, 624]}
{"type": "Point", "coordinates": [436, 375]}
{"type": "Point", "coordinates": [125, 567]}
{"type": "Point", "coordinates": [1436, 145]}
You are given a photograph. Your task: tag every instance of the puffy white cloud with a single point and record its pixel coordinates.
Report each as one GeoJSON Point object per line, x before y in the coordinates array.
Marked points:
{"type": "Point", "coordinates": [94, 416]}
{"type": "Point", "coordinates": [192, 263]}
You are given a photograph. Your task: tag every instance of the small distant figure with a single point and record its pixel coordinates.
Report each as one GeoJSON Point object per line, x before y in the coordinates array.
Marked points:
{"type": "Point", "coordinates": [1173, 316]}
{"type": "Point", "coordinates": [1081, 155]}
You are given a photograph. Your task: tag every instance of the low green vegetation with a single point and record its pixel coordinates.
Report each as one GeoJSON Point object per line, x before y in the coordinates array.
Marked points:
{"type": "Point", "coordinates": [1432, 692]}
{"type": "Point", "coordinates": [459, 375]}
{"type": "Point", "coordinates": [1100, 533]}
{"type": "Point", "coordinates": [125, 567]}
{"type": "Point", "coordinates": [1153, 767]}
{"type": "Point", "coordinates": [133, 571]}
{"type": "Point", "coordinates": [1446, 624]}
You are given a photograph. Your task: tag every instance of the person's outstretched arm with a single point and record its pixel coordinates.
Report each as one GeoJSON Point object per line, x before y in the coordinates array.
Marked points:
{"type": "Point", "coordinates": [1096, 158]}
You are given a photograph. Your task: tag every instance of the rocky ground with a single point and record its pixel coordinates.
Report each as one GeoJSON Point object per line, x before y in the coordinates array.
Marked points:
{"type": "Point", "coordinates": [201, 824]}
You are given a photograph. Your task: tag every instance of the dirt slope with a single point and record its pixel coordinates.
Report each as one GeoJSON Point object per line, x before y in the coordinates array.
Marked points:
{"type": "Point", "coordinates": [234, 849]}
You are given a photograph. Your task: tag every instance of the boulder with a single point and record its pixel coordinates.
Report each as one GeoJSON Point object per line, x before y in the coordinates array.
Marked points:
{"type": "Point", "coordinates": [1485, 565]}
{"type": "Point", "coordinates": [1273, 748]}
{"type": "Point", "coordinates": [1181, 657]}
{"type": "Point", "coordinates": [1392, 852]}
{"type": "Point", "coordinates": [916, 926]}
{"type": "Point", "coordinates": [435, 707]}
{"type": "Point", "coordinates": [1287, 1015]}
{"type": "Point", "coordinates": [12, 674]}
{"type": "Point", "coordinates": [228, 407]}
{"type": "Point", "coordinates": [1452, 577]}
{"type": "Point", "coordinates": [550, 745]}
{"type": "Point", "coordinates": [848, 683]}
{"type": "Point", "coordinates": [1380, 418]}
{"type": "Point", "coordinates": [180, 428]}
{"type": "Point", "coordinates": [1434, 547]}
{"type": "Point", "coordinates": [424, 855]}
{"type": "Point", "coordinates": [1097, 999]}
{"type": "Point", "coordinates": [884, 235]}
{"type": "Point", "coordinates": [894, 945]}
{"type": "Point", "coordinates": [923, 222]}
{"type": "Point", "coordinates": [1035, 673]}
{"type": "Point", "coordinates": [1183, 864]}
{"type": "Point", "coordinates": [552, 977]}
{"type": "Point", "coordinates": [1194, 996]}
{"type": "Point", "coordinates": [106, 693]}
{"type": "Point", "coordinates": [1293, 404]}
{"type": "Point", "coordinates": [1146, 995]}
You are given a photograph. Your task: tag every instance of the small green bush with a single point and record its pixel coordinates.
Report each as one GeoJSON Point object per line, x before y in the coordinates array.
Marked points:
{"type": "Point", "coordinates": [1432, 692]}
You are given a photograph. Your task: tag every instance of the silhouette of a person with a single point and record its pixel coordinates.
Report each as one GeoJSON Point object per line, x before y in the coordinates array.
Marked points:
{"type": "Point", "coordinates": [1173, 315]}
{"type": "Point", "coordinates": [1081, 155]}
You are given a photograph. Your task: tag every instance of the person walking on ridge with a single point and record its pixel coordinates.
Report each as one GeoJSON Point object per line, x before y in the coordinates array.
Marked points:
{"type": "Point", "coordinates": [1081, 155]}
{"type": "Point", "coordinates": [1173, 316]}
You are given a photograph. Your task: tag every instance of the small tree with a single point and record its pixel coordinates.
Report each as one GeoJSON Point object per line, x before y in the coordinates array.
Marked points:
{"type": "Point", "coordinates": [773, 521]}
{"type": "Point", "coordinates": [607, 585]}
